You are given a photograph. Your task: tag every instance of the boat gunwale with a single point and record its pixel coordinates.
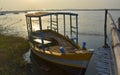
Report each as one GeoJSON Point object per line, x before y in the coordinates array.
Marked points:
{"type": "Point", "coordinates": [69, 56]}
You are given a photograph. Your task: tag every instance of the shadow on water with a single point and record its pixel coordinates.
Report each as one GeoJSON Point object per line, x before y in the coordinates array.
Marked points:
{"type": "Point", "coordinates": [42, 67]}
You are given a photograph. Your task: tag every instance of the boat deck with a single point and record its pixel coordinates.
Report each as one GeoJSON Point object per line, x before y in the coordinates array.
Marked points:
{"type": "Point", "coordinates": [58, 41]}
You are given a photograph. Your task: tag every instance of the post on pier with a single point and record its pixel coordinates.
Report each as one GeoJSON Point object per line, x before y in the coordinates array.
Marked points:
{"type": "Point", "coordinates": [105, 30]}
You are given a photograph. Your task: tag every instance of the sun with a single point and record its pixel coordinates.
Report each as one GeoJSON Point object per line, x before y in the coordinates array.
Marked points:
{"type": "Point", "coordinates": [32, 0]}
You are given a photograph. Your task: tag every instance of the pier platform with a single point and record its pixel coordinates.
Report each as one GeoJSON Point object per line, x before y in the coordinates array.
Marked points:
{"type": "Point", "coordinates": [102, 62]}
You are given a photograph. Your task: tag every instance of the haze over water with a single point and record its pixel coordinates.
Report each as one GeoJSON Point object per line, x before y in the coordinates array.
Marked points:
{"type": "Point", "coordinates": [91, 26]}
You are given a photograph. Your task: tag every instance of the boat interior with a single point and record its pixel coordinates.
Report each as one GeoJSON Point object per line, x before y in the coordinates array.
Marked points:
{"type": "Point", "coordinates": [54, 41]}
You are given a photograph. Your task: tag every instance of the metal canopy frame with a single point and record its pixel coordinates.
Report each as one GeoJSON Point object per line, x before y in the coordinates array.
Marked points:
{"type": "Point", "coordinates": [54, 23]}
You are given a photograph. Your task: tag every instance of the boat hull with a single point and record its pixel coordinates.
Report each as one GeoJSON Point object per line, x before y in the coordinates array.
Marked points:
{"type": "Point", "coordinates": [70, 70]}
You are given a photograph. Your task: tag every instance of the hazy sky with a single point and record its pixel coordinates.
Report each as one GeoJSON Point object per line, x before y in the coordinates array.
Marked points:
{"type": "Point", "coordinates": [53, 4]}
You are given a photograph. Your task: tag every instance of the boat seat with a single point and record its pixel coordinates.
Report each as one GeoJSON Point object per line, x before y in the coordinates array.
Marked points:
{"type": "Point", "coordinates": [40, 41]}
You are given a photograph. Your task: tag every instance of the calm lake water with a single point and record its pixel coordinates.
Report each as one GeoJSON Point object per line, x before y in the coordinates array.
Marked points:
{"type": "Point", "coordinates": [91, 26]}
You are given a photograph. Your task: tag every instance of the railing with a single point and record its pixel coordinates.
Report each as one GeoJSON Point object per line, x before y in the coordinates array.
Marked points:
{"type": "Point", "coordinates": [116, 43]}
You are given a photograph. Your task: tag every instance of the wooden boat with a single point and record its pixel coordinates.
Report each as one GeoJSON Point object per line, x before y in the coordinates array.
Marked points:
{"type": "Point", "coordinates": [53, 46]}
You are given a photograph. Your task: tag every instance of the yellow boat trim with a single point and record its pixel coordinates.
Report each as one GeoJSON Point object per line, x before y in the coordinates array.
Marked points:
{"type": "Point", "coordinates": [60, 63]}
{"type": "Point", "coordinates": [70, 56]}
